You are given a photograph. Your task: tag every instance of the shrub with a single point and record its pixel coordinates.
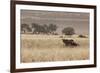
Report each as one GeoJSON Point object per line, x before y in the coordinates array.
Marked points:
{"type": "Point", "coordinates": [82, 36]}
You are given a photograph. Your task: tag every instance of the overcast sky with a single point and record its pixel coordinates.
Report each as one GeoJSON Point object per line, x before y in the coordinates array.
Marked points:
{"type": "Point", "coordinates": [79, 21]}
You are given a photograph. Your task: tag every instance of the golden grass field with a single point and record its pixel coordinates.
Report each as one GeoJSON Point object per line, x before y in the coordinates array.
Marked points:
{"type": "Point", "coordinates": [43, 48]}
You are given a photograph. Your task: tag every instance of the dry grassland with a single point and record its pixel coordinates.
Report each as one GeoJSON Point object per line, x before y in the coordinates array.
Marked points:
{"type": "Point", "coordinates": [43, 48]}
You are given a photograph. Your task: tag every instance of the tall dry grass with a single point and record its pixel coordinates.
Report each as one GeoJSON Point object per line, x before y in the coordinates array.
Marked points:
{"type": "Point", "coordinates": [41, 48]}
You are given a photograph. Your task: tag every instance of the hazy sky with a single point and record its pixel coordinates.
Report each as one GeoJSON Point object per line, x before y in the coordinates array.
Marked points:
{"type": "Point", "coordinates": [79, 21]}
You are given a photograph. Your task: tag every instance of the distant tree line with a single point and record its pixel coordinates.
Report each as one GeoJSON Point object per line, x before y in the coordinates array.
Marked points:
{"type": "Point", "coordinates": [35, 28]}
{"type": "Point", "coordinates": [38, 29]}
{"type": "Point", "coordinates": [45, 29]}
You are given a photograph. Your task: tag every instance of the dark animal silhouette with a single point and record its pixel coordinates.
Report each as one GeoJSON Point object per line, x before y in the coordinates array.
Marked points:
{"type": "Point", "coordinates": [69, 42]}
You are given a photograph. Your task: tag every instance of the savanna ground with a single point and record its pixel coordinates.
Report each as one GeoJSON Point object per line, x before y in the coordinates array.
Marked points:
{"type": "Point", "coordinates": [43, 48]}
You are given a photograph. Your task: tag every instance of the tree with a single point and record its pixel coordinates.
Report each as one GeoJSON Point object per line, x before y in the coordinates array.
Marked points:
{"type": "Point", "coordinates": [25, 27]}
{"type": "Point", "coordinates": [52, 28]}
{"type": "Point", "coordinates": [68, 31]}
{"type": "Point", "coordinates": [36, 28]}
{"type": "Point", "coordinates": [34, 25]}
{"type": "Point", "coordinates": [46, 29]}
